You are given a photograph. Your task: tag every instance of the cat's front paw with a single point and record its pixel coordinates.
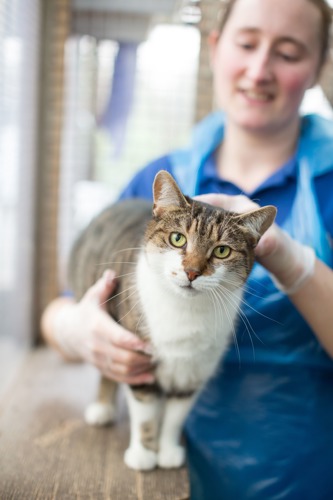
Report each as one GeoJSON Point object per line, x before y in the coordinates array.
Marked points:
{"type": "Point", "coordinates": [171, 456]}
{"type": "Point", "coordinates": [139, 458]}
{"type": "Point", "coordinates": [99, 414]}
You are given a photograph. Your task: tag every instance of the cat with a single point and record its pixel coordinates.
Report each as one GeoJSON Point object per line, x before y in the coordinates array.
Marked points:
{"type": "Point", "coordinates": [182, 265]}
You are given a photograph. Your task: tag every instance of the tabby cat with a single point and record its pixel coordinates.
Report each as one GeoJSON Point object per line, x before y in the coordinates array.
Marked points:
{"type": "Point", "coordinates": [181, 265]}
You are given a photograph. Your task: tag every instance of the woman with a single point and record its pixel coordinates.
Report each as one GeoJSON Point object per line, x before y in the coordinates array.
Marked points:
{"type": "Point", "coordinates": [262, 427]}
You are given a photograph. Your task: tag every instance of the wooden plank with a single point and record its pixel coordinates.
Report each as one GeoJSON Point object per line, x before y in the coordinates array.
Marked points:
{"type": "Point", "coordinates": [48, 452]}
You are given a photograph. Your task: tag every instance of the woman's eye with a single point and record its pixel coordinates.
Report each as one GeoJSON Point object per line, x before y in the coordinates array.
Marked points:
{"type": "Point", "coordinates": [288, 57]}
{"type": "Point", "coordinates": [246, 42]}
{"type": "Point", "coordinates": [177, 240]}
{"type": "Point", "coordinates": [246, 46]}
{"type": "Point", "coordinates": [289, 53]}
{"type": "Point", "coordinates": [222, 252]}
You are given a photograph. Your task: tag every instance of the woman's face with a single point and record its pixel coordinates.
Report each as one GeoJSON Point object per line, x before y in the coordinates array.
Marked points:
{"type": "Point", "coordinates": [266, 57]}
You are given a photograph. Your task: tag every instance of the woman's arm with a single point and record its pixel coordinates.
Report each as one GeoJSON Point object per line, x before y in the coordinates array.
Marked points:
{"type": "Point", "coordinates": [291, 263]}
{"type": "Point", "coordinates": [314, 302]}
{"type": "Point", "coordinates": [48, 322]}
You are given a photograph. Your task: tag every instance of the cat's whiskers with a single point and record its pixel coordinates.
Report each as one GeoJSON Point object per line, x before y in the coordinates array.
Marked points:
{"type": "Point", "coordinates": [136, 303]}
{"type": "Point", "coordinates": [245, 286]}
{"type": "Point", "coordinates": [221, 299]}
{"type": "Point", "coordinates": [229, 296]}
{"type": "Point", "coordinates": [245, 302]}
{"type": "Point", "coordinates": [236, 307]}
{"type": "Point", "coordinates": [117, 295]}
{"type": "Point", "coordinates": [126, 250]}
{"type": "Point", "coordinates": [216, 281]}
{"type": "Point", "coordinates": [249, 291]}
{"type": "Point", "coordinates": [211, 293]}
{"type": "Point", "coordinates": [126, 274]}
{"type": "Point", "coordinates": [250, 288]}
{"type": "Point", "coordinates": [127, 297]}
{"type": "Point", "coordinates": [259, 285]}
{"type": "Point", "coordinates": [138, 323]}
{"type": "Point", "coordinates": [217, 301]}
{"type": "Point", "coordinates": [252, 291]}
{"type": "Point", "coordinates": [116, 262]}
{"type": "Point", "coordinates": [239, 310]}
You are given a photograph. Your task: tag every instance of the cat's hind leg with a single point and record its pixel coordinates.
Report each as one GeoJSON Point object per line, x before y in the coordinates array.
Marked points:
{"type": "Point", "coordinates": [171, 453]}
{"type": "Point", "coordinates": [144, 405]}
{"type": "Point", "coordinates": [102, 411]}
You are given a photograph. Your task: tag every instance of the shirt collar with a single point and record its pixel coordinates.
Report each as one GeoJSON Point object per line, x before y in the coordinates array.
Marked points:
{"type": "Point", "coordinates": [278, 178]}
{"type": "Point", "coordinates": [315, 142]}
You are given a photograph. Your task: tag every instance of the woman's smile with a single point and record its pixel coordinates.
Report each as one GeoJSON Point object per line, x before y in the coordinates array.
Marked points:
{"type": "Point", "coordinates": [254, 96]}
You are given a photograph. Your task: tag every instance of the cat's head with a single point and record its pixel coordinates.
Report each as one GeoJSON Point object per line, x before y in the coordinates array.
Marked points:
{"type": "Point", "coordinates": [197, 247]}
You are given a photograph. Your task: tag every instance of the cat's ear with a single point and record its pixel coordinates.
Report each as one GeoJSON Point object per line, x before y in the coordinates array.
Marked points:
{"type": "Point", "coordinates": [258, 221]}
{"type": "Point", "coordinates": [167, 194]}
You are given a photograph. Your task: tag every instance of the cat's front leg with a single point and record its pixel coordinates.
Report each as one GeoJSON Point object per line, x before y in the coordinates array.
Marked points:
{"type": "Point", "coordinates": [144, 405]}
{"type": "Point", "coordinates": [171, 453]}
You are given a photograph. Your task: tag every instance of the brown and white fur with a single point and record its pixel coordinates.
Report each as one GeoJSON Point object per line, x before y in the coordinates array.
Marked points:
{"type": "Point", "coordinates": [183, 299]}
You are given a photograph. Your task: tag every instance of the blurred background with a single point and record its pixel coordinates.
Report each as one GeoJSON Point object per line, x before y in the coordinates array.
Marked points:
{"type": "Point", "coordinates": [90, 91]}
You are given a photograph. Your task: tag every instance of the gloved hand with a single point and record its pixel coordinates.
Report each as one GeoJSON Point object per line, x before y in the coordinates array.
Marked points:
{"type": "Point", "coordinates": [289, 262]}
{"type": "Point", "coordinates": [84, 330]}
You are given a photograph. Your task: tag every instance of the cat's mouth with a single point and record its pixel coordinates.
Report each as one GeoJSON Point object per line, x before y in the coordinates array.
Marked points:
{"type": "Point", "coordinates": [189, 287]}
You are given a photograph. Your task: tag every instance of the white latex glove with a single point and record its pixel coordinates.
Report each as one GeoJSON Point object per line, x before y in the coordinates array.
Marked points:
{"type": "Point", "coordinates": [85, 331]}
{"type": "Point", "coordinates": [289, 262]}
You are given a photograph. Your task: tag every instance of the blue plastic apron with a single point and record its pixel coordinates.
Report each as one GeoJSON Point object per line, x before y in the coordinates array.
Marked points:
{"type": "Point", "coordinates": [263, 426]}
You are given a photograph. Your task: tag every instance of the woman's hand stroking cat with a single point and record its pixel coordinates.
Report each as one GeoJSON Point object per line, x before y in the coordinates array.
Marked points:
{"type": "Point", "coordinates": [85, 331]}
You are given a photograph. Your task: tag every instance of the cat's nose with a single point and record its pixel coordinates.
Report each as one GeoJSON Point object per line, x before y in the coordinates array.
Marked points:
{"type": "Point", "coordinates": [192, 274]}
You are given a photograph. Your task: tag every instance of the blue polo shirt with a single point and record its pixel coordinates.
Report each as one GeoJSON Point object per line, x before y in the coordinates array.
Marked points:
{"type": "Point", "coordinates": [279, 189]}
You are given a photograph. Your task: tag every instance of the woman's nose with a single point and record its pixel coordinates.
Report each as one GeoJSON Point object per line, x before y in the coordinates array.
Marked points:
{"type": "Point", "coordinates": [259, 67]}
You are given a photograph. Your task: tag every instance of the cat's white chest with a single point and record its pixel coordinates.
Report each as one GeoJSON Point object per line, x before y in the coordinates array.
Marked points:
{"type": "Point", "coordinates": [189, 334]}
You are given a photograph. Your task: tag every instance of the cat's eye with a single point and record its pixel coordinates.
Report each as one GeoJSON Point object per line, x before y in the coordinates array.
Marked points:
{"type": "Point", "coordinates": [177, 240]}
{"type": "Point", "coordinates": [222, 252]}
